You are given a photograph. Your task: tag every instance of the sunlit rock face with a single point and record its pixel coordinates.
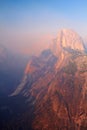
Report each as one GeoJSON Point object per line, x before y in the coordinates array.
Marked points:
{"type": "Point", "coordinates": [56, 85]}
{"type": "Point", "coordinates": [71, 39]}
{"type": "Point", "coordinates": [66, 42]}
{"type": "Point", "coordinates": [67, 39]}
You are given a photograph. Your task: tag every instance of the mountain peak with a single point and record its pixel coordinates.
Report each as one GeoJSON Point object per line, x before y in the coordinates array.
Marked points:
{"type": "Point", "coordinates": [67, 39]}
{"type": "Point", "coordinates": [56, 86]}
{"type": "Point", "coordinates": [70, 39]}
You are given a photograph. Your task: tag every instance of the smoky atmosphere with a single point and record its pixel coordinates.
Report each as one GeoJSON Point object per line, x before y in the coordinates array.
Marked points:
{"type": "Point", "coordinates": [43, 65]}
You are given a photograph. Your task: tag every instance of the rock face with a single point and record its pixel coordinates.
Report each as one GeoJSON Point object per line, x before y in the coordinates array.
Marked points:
{"type": "Point", "coordinates": [67, 39]}
{"type": "Point", "coordinates": [56, 85]}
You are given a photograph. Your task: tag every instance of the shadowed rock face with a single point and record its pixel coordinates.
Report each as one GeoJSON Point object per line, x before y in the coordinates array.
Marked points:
{"type": "Point", "coordinates": [56, 85]}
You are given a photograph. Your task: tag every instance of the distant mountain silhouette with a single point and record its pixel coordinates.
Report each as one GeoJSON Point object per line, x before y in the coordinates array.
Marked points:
{"type": "Point", "coordinates": [11, 70]}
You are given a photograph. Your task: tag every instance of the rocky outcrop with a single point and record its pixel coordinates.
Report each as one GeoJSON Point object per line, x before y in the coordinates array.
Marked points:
{"type": "Point", "coordinates": [56, 85]}
{"type": "Point", "coordinates": [67, 39]}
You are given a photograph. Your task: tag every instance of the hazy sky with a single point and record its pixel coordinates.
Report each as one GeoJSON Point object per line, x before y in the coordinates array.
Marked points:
{"type": "Point", "coordinates": [28, 25]}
